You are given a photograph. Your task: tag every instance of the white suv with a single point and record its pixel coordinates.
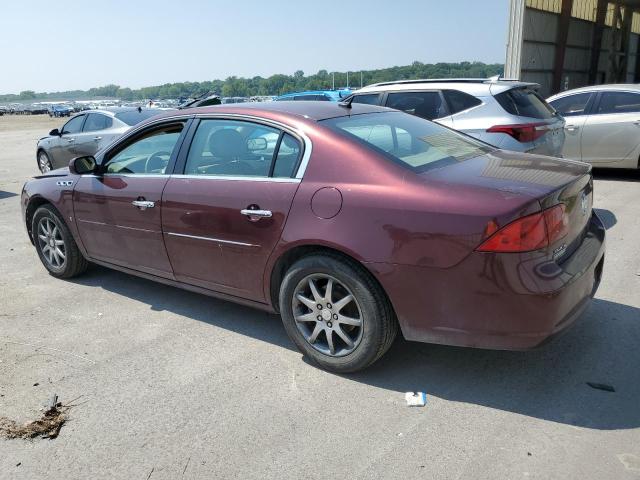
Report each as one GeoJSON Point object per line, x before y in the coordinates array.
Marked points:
{"type": "Point", "coordinates": [510, 115]}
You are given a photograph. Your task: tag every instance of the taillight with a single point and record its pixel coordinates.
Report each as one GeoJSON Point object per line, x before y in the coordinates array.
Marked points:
{"type": "Point", "coordinates": [529, 233]}
{"type": "Point", "coordinates": [524, 132]}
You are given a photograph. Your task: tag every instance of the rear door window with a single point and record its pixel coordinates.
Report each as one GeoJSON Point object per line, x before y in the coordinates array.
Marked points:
{"type": "Point", "coordinates": [459, 101]}
{"type": "Point", "coordinates": [97, 121]}
{"type": "Point", "coordinates": [427, 105]}
{"type": "Point", "coordinates": [572, 105]}
{"type": "Point", "coordinates": [619, 102]}
{"type": "Point", "coordinates": [524, 102]}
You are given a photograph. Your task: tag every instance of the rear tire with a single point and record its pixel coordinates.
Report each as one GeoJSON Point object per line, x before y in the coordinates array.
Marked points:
{"type": "Point", "coordinates": [55, 245]}
{"type": "Point", "coordinates": [335, 313]}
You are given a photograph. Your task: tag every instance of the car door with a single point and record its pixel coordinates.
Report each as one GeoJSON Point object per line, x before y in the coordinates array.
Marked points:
{"type": "Point", "coordinates": [63, 148]}
{"type": "Point", "coordinates": [611, 133]}
{"type": "Point", "coordinates": [223, 216]}
{"type": "Point", "coordinates": [88, 141]}
{"type": "Point", "coordinates": [118, 211]}
{"type": "Point", "coordinates": [575, 110]}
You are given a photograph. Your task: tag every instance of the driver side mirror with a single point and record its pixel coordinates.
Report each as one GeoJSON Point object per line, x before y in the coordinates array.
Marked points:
{"type": "Point", "coordinates": [55, 133]}
{"type": "Point", "coordinates": [82, 165]}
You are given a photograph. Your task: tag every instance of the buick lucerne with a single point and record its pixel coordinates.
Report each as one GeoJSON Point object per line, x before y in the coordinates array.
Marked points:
{"type": "Point", "coordinates": [353, 222]}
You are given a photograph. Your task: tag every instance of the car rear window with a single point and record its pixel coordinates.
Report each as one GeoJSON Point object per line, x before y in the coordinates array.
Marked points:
{"type": "Point", "coordinates": [134, 117]}
{"type": "Point", "coordinates": [408, 140]}
{"type": "Point", "coordinates": [524, 102]}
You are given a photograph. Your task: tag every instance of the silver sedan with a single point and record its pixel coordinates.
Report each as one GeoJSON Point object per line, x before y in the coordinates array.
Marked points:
{"type": "Point", "coordinates": [603, 124]}
{"type": "Point", "coordinates": [85, 134]}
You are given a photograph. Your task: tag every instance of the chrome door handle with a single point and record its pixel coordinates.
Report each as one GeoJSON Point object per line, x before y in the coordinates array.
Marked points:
{"type": "Point", "coordinates": [97, 138]}
{"type": "Point", "coordinates": [71, 140]}
{"type": "Point", "coordinates": [256, 213]}
{"type": "Point", "coordinates": [143, 204]}
{"type": "Point", "coordinates": [571, 128]}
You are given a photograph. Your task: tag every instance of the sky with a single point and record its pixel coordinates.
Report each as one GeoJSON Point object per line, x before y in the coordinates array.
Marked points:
{"type": "Point", "coordinates": [78, 44]}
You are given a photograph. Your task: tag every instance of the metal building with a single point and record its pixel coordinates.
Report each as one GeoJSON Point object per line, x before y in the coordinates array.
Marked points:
{"type": "Point", "coordinates": [563, 44]}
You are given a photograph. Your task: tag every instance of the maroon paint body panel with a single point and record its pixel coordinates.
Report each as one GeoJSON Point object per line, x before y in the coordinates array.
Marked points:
{"type": "Point", "coordinates": [230, 250]}
{"type": "Point", "coordinates": [417, 233]}
{"type": "Point", "coordinates": [113, 230]}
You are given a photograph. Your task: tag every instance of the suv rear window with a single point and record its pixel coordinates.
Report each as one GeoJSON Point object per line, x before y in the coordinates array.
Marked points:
{"type": "Point", "coordinates": [407, 140]}
{"type": "Point", "coordinates": [459, 101]}
{"type": "Point", "coordinates": [524, 102]}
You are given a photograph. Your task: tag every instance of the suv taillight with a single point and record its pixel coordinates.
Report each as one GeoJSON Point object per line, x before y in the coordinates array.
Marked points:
{"type": "Point", "coordinates": [523, 132]}
{"type": "Point", "coordinates": [529, 233]}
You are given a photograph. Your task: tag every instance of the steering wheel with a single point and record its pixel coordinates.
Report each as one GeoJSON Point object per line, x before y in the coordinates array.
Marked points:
{"type": "Point", "coordinates": [156, 162]}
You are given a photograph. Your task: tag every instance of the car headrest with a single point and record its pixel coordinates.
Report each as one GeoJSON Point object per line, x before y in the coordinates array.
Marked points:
{"type": "Point", "coordinates": [226, 144]}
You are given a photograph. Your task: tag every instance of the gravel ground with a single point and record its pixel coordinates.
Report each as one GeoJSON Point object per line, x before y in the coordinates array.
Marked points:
{"type": "Point", "coordinates": [170, 384]}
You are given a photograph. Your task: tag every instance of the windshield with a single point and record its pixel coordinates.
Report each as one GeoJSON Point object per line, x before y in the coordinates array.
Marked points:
{"type": "Point", "coordinates": [134, 116]}
{"type": "Point", "coordinates": [408, 140]}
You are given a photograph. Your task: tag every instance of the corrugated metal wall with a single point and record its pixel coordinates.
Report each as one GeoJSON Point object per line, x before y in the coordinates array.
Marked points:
{"type": "Point", "coordinates": [540, 24]}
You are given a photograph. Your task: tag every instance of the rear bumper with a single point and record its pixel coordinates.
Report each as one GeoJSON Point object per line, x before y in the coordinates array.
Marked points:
{"type": "Point", "coordinates": [496, 301]}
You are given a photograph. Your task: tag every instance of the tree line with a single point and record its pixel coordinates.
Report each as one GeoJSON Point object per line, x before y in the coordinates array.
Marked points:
{"type": "Point", "coordinates": [273, 85]}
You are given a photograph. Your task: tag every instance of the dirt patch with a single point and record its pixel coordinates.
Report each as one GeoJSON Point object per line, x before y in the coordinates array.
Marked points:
{"type": "Point", "coordinates": [47, 426]}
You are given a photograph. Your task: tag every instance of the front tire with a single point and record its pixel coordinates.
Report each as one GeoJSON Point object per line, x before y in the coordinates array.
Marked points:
{"type": "Point", "coordinates": [55, 245]}
{"type": "Point", "coordinates": [335, 313]}
{"type": "Point", "coordinates": [44, 163]}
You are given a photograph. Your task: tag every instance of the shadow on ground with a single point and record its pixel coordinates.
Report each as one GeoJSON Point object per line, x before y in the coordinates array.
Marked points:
{"type": "Point", "coordinates": [4, 194]}
{"type": "Point", "coordinates": [616, 174]}
{"type": "Point", "coordinates": [548, 383]}
{"type": "Point", "coordinates": [608, 218]}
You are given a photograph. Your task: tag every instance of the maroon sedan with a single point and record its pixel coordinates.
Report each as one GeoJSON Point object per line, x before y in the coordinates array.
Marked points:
{"type": "Point", "coordinates": [352, 222]}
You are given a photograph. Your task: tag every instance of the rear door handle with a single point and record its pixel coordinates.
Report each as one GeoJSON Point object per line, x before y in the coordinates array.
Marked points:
{"type": "Point", "coordinates": [256, 213]}
{"type": "Point", "coordinates": [97, 139]}
{"type": "Point", "coordinates": [571, 128]}
{"type": "Point", "coordinates": [143, 204]}
{"type": "Point", "coordinates": [637, 122]}
{"type": "Point", "coordinates": [69, 140]}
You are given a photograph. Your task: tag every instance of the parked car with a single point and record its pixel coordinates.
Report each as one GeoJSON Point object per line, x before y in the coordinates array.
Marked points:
{"type": "Point", "coordinates": [510, 115]}
{"type": "Point", "coordinates": [358, 222]}
{"type": "Point", "coordinates": [603, 124]}
{"type": "Point", "coordinates": [85, 134]}
{"type": "Point", "coordinates": [60, 111]}
{"type": "Point", "coordinates": [317, 95]}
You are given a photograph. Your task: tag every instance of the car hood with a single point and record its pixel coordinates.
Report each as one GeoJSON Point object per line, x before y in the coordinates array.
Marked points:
{"type": "Point", "coordinates": [517, 173]}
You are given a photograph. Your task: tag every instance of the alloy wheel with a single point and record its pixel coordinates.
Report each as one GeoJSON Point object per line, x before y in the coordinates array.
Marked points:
{"type": "Point", "coordinates": [51, 243]}
{"type": "Point", "coordinates": [43, 162]}
{"type": "Point", "coordinates": [327, 315]}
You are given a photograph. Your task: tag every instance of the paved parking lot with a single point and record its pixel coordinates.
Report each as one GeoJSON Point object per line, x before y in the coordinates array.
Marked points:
{"type": "Point", "coordinates": [178, 385]}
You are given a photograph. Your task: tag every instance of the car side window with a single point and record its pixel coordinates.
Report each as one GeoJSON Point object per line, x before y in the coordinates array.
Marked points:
{"type": "Point", "coordinates": [148, 154]}
{"type": "Point", "coordinates": [619, 102]}
{"type": "Point", "coordinates": [239, 148]}
{"type": "Point", "coordinates": [368, 98]}
{"type": "Point", "coordinates": [459, 101]}
{"type": "Point", "coordinates": [74, 125]}
{"type": "Point", "coordinates": [426, 105]}
{"type": "Point", "coordinates": [97, 121]}
{"type": "Point", "coordinates": [287, 157]}
{"type": "Point", "coordinates": [571, 105]}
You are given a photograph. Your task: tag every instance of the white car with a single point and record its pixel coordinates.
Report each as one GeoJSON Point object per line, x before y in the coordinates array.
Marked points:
{"type": "Point", "coordinates": [507, 114]}
{"type": "Point", "coordinates": [603, 124]}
